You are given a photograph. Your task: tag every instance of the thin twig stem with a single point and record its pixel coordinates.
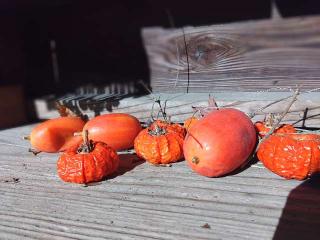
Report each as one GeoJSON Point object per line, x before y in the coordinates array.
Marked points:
{"type": "Point", "coordinates": [253, 114]}
{"type": "Point", "coordinates": [274, 127]}
{"type": "Point", "coordinates": [85, 137]}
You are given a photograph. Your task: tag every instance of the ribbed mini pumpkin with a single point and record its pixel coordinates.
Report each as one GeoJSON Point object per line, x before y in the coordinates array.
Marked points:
{"type": "Point", "coordinates": [91, 162]}
{"type": "Point", "coordinates": [170, 127]}
{"type": "Point", "coordinates": [160, 144]}
{"type": "Point", "coordinates": [292, 156]}
{"type": "Point", "coordinates": [263, 128]}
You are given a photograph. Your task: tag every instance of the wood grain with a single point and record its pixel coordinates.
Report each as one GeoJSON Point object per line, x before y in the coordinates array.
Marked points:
{"type": "Point", "coordinates": [145, 202]}
{"type": "Point", "coordinates": [179, 106]}
{"type": "Point", "coordinates": [247, 56]}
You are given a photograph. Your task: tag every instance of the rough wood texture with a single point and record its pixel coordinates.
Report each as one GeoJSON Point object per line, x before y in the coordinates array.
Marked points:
{"type": "Point", "coordinates": [179, 106]}
{"type": "Point", "coordinates": [147, 202]}
{"type": "Point", "coordinates": [248, 56]}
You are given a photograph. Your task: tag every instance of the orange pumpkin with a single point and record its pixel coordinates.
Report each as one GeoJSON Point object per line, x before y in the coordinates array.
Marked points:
{"type": "Point", "coordinates": [263, 128]}
{"type": "Point", "coordinates": [189, 122]}
{"type": "Point", "coordinates": [159, 144]}
{"type": "Point", "coordinates": [92, 162]}
{"type": "Point", "coordinates": [170, 127]}
{"type": "Point", "coordinates": [292, 156]}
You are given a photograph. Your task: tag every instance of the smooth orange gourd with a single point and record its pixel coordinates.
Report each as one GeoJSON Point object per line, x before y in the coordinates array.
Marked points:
{"type": "Point", "coordinates": [118, 130]}
{"type": "Point", "coordinates": [220, 142]}
{"type": "Point", "coordinates": [56, 135]}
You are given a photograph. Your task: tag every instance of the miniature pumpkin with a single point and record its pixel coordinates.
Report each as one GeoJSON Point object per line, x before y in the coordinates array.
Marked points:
{"type": "Point", "coordinates": [91, 162]}
{"type": "Point", "coordinates": [57, 134]}
{"type": "Point", "coordinates": [292, 156]}
{"type": "Point", "coordinates": [200, 112]}
{"type": "Point", "coordinates": [263, 128]}
{"type": "Point", "coordinates": [170, 127]}
{"type": "Point", "coordinates": [189, 122]}
{"type": "Point", "coordinates": [159, 144]}
{"type": "Point", "coordinates": [220, 142]}
{"type": "Point", "coordinates": [118, 130]}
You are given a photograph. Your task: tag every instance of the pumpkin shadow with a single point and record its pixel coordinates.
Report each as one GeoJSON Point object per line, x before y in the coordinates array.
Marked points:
{"type": "Point", "coordinates": [300, 218]}
{"type": "Point", "coordinates": [128, 162]}
{"type": "Point", "coordinates": [253, 160]}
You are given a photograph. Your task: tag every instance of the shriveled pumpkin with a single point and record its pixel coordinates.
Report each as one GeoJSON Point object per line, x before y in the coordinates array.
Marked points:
{"type": "Point", "coordinates": [263, 127]}
{"type": "Point", "coordinates": [91, 162]}
{"type": "Point", "coordinates": [160, 143]}
{"type": "Point", "coordinates": [170, 127]}
{"type": "Point", "coordinates": [292, 156]}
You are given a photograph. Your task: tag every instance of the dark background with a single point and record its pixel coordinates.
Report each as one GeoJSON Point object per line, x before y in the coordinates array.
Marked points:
{"type": "Point", "coordinates": [99, 41]}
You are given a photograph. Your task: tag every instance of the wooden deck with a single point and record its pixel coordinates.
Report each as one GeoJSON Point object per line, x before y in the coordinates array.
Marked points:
{"type": "Point", "coordinates": [147, 202]}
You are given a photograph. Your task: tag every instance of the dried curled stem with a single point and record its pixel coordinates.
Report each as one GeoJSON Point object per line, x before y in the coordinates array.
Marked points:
{"type": "Point", "coordinates": [212, 105]}
{"type": "Point", "coordinates": [277, 123]}
{"type": "Point", "coordinates": [87, 145]}
{"type": "Point", "coordinates": [34, 151]}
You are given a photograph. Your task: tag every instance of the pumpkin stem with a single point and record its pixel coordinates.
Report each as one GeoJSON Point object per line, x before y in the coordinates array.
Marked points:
{"type": "Point", "coordinates": [269, 120]}
{"type": "Point", "coordinates": [26, 138]}
{"type": "Point", "coordinates": [87, 145]}
{"type": "Point", "coordinates": [34, 151]}
{"type": "Point", "coordinates": [279, 119]}
{"type": "Point", "coordinates": [157, 131]}
{"type": "Point", "coordinates": [212, 103]}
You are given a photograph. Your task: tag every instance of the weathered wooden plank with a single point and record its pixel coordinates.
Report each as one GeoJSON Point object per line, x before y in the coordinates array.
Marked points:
{"type": "Point", "coordinates": [247, 56]}
{"type": "Point", "coordinates": [179, 106]}
{"type": "Point", "coordinates": [146, 202]}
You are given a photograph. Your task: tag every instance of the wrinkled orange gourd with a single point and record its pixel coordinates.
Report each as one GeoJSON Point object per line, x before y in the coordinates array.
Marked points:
{"type": "Point", "coordinates": [118, 130]}
{"type": "Point", "coordinates": [263, 129]}
{"type": "Point", "coordinates": [56, 135]}
{"type": "Point", "coordinates": [170, 127]}
{"type": "Point", "coordinates": [86, 167]}
{"type": "Point", "coordinates": [188, 123]}
{"type": "Point", "coordinates": [159, 145]}
{"type": "Point", "coordinates": [292, 156]}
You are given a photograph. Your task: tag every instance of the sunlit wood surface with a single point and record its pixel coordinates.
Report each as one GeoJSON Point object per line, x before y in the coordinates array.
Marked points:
{"type": "Point", "coordinates": [146, 202]}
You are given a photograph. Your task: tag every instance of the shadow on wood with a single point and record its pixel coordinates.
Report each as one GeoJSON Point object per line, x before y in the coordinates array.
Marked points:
{"type": "Point", "coordinates": [300, 218]}
{"type": "Point", "coordinates": [128, 162]}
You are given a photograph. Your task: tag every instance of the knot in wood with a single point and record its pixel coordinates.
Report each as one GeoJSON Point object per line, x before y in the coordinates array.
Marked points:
{"type": "Point", "coordinates": [204, 52]}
